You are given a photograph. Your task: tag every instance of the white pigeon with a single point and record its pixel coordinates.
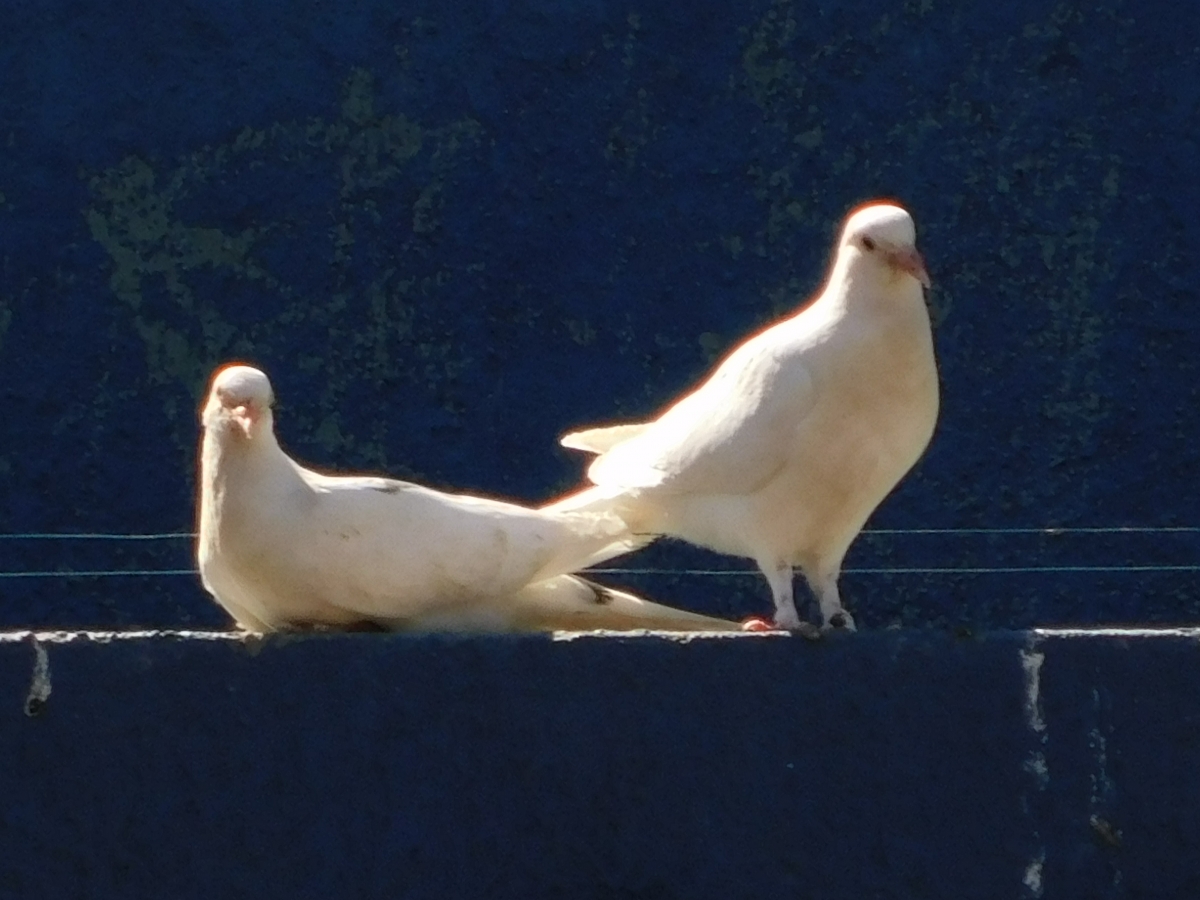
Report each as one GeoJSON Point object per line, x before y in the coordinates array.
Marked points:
{"type": "Point", "coordinates": [783, 453]}
{"type": "Point", "coordinates": [281, 546]}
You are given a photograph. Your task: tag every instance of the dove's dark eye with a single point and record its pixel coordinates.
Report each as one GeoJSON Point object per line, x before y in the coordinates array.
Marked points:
{"type": "Point", "coordinates": [868, 244]}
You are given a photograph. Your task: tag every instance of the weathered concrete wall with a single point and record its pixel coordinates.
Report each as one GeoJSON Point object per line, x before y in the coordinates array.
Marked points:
{"type": "Point", "coordinates": [452, 231]}
{"type": "Point", "coordinates": [898, 764]}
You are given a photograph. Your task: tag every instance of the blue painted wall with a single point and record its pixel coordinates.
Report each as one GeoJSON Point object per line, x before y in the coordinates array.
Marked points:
{"type": "Point", "coordinates": [894, 764]}
{"type": "Point", "coordinates": [452, 231]}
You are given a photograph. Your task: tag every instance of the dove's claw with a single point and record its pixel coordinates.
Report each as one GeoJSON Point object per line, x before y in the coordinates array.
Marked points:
{"type": "Point", "coordinates": [840, 621]}
{"type": "Point", "coordinates": [808, 630]}
{"type": "Point", "coordinates": [786, 619]}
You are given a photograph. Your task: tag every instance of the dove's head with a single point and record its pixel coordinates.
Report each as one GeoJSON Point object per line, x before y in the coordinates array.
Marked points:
{"type": "Point", "coordinates": [882, 236]}
{"type": "Point", "coordinates": [240, 397]}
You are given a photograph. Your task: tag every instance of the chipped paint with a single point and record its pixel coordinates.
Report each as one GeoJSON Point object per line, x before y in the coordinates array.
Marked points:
{"type": "Point", "coordinates": [39, 685]}
{"type": "Point", "coordinates": [1031, 665]}
{"type": "Point", "coordinates": [1035, 763]}
{"type": "Point", "coordinates": [155, 250]}
{"type": "Point", "coordinates": [1103, 795]}
{"type": "Point", "coordinates": [675, 637]}
{"type": "Point", "coordinates": [1032, 879]}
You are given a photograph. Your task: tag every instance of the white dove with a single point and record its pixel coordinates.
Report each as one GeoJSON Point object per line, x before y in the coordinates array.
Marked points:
{"type": "Point", "coordinates": [281, 546]}
{"type": "Point", "coordinates": [783, 453]}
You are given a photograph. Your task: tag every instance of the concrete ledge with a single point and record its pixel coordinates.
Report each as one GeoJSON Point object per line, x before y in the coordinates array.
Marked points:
{"type": "Point", "coordinates": [886, 764]}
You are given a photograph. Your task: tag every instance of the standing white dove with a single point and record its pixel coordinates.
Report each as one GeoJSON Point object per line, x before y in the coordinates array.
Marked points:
{"type": "Point", "coordinates": [281, 546]}
{"type": "Point", "coordinates": [783, 453]}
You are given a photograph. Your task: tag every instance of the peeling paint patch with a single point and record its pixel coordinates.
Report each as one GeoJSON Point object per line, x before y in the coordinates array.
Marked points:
{"type": "Point", "coordinates": [676, 637]}
{"type": "Point", "coordinates": [1102, 801]}
{"type": "Point", "coordinates": [38, 638]}
{"type": "Point", "coordinates": [1107, 633]}
{"type": "Point", "coordinates": [1108, 834]}
{"type": "Point", "coordinates": [1036, 766]}
{"type": "Point", "coordinates": [1035, 763]}
{"type": "Point", "coordinates": [1103, 788]}
{"type": "Point", "coordinates": [1031, 663]}
{"type": "Point", "coordinates": [1033, 875]}
{"type": "Point", "coordinates": [39, 685]}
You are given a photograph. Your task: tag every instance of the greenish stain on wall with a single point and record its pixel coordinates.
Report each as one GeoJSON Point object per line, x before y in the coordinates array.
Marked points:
{"type": "Point", "coordinates": [134, 214]}
{"type": "Point", "coordinates": [782, 70]}
{"type": "Point", "coordinates": [996, 153]}
{"type": "Point", "coordinates": [133, 219]}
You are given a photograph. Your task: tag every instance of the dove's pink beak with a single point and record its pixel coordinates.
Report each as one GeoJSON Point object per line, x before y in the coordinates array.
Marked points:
{"type": "Point", "coordinates": [910, 261]}
{"type": "Point", "coordinates": [244, 418]}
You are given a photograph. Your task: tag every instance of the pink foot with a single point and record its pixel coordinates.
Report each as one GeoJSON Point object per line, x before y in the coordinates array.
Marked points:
{"type": "Point", "coordinates": [804, 629]}
{"type": "Point", "coordinates": [754, 623]}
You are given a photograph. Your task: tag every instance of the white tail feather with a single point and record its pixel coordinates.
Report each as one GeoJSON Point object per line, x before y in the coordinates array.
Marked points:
{"type": "Point", "coordinates": [601, 440]}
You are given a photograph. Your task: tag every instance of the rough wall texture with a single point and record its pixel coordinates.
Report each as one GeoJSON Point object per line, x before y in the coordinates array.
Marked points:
{"type": "Point", "coordinates": [896, 764]}
{"type": "Point", "coordinates": [450, 231]}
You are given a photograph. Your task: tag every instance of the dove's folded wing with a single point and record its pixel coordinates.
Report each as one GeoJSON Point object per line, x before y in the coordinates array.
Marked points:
{"type": "Point", "coordinates": [393, 540]}
{"type": "Point", "coordinates": [729, 436]}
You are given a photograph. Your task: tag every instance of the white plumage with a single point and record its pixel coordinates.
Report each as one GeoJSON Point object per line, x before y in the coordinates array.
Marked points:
{"type": "Point", "coordinates": [783, 453]}
{"type": "Point", "coordinates": [281, 546]}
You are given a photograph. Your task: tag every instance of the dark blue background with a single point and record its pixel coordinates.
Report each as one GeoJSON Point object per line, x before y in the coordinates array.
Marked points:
{"type": "Point", "coordinates": [451, 232]}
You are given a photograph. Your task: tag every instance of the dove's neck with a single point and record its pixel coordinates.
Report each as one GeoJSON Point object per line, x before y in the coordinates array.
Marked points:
{"type": "Point", "coordinates": [848, 280]}
{"type": "Point", "coordinates": [238, 473]}
{"type": "Point", "coordinates": [853, 283]}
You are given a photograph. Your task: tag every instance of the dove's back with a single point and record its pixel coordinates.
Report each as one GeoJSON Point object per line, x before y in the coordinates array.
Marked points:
{"type": "Point", "coordinates": [731, 434]}
{"type": "Point", "coordinates": [280, 544]}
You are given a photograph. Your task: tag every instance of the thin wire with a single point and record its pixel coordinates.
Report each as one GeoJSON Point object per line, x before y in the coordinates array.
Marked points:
{"type": "Point", "coordinates": [112, 573]}
{"type": "Point", "coordinates": [912, 570]}
{"type": "Point", "coordinates": [1050, 530]}
{"type": "Point", "coordinates": [95, 536]}
{"type": "Point", "coordinates": [1020, 570]}
{"type": "Point", "coordinates": [726, 573]}
{"type": "Point", "coordinates": [720, 573]}
{"type": "Point", "coordinates": [1109, 529]}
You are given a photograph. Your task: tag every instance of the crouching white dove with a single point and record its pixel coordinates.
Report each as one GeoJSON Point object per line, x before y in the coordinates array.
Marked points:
{"type": "Point", "coordinates": [783, 453]}
{"type": "Point", "coordinates": [281, 546]}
